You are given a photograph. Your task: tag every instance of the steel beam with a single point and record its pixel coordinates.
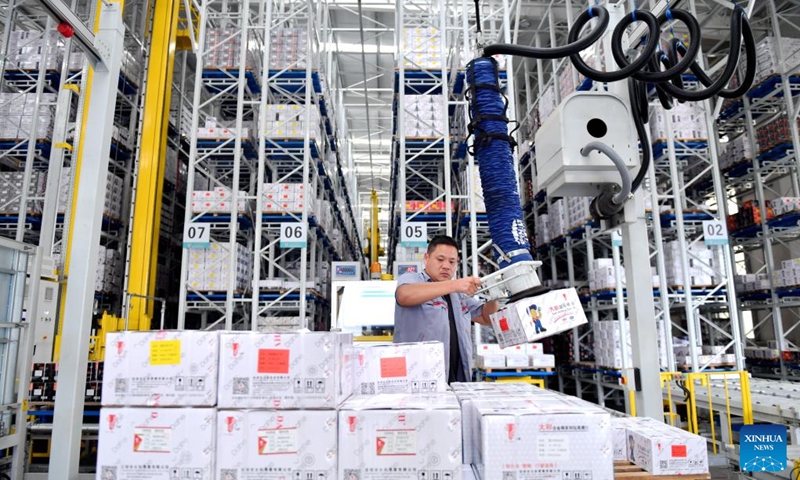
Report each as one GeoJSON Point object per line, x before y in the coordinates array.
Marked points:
{"type": "Point", "coordinates": [85, 248]}
{"type": "Point", "coordinates": [85, 38]}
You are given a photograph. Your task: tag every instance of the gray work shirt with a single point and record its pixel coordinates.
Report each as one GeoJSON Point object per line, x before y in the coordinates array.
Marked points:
{"type": "Point", "coordinates": [429, 322]}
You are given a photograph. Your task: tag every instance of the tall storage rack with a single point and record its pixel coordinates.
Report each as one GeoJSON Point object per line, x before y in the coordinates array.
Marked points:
{"type": "Point", "coordinates": [244, 80]}
{"type": "Point", "coordinates": [42, 101]}
{"type": "Point", "coordinates": [765, 173]}
{"type": "Point", "coordinates": [421, 173]}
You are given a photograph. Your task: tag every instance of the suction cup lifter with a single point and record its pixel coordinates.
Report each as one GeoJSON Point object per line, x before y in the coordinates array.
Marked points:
{"type": "Point", "coordinates": [517, 280]}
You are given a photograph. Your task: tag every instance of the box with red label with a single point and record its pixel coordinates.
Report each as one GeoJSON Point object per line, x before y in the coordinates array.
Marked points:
{"type": "Point", "coordinates": [284, 370]}
{"type": "Point", "coordinates": [160, 368]}
{"type": "Point", "coordinates": [156, 443]}
{"type": "Point", "coordinates": [399, 368]}
{"type": "Point", "coordinates": [665, 450]}
{"type": "Point", "coordinates": [565, 436]}
{"type": "Point", "coordinates": [400, 437]}
{"type": "Point", "coordinates": [534, 318]}
{"type": "Point", "coordinates": [292, 443]}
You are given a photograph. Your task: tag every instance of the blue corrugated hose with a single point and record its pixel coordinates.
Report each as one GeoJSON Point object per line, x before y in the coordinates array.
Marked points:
{"type": "Point", "coordinates": [492, 150]}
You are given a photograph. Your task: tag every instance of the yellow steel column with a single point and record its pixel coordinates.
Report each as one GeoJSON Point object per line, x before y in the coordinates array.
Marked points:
{"type": "Point", "coordinates": [146, 224]}
{"type": "Point", "coordinates": [76, 166]}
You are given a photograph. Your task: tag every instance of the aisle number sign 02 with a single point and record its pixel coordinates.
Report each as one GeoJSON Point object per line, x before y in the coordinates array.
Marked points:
{"type": "Point", "coordinates": [294, 235]}
{"type": "Point", "coordinates": [196, 235]}
{"type": "Point", "coordinates": [414, 234]}
{"type": "Point", "coordinates": [715, 232]}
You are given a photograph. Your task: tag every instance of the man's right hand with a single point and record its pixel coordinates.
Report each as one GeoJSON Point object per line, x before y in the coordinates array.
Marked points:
{"type": "Point", "coordinates": [467, 285]}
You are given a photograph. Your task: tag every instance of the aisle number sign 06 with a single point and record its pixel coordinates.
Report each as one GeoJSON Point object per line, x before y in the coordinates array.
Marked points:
{"type": "Point", "coordinates": [414, 234]}
{"type": "Point", "coordinates": [294, 235]}
{"type": "Point", "coordinates": [196, 235]}
{"type": "Point", "coordinates": [715, 232]}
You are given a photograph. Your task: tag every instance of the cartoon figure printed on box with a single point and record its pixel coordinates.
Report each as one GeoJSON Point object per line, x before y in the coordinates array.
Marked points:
{"type": "Point", "coordinates": [536, 316]}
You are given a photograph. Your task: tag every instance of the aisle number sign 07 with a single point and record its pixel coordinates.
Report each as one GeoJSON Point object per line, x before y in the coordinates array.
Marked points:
{"type": "Point", "coordinates": [414, 234]}
{"type": "Point", "coordinates": [715, 232]}
{"type": "Point", "coordinates": [294, 235]}
{"type": "Point", "coordinates": [196, 235]}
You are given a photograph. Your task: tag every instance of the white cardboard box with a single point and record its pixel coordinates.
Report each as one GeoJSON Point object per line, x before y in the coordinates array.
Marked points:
{"type": "Point", "coordinates": [399, 368]}
{"type": "Point", "coordinates": [555, 311]}
{"type": "Point", "coordinates": [486, 360]}
{"type": "Point", "coordinates": [562, 435]}
{"type": "Point", "coordinates": [543, 361]}
{"type": "Point", "coordinates": [619, 427]}
{"type": "Point", "coordinates": [284, 371]}
{"type": "Point", "coordinates": [253, 445]}
{"type": "Point", "coordinates": [156, 443]}
{"type": "Point", "coordinates": [161, 368]}
{"type": "Point", "coordinates": [400, 437]}
{"type": "Point", "coordinates": [664, 450]}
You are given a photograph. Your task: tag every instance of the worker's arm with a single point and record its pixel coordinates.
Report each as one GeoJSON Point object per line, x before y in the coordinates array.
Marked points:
{"type": "Point", "coordinates": [413, 294]}
{"type": "Point", "coordinates": [486, 312]}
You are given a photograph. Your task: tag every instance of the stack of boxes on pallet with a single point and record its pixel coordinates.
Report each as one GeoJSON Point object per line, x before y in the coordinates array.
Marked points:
{"type": "Point", "coordinates": [18, 112]}
{"type": "Point", "coordinates": [491, 355]}
{"type": "Point", "coordinates": [289, 121]}
{"type": "Point", "coordinates": [658, 448]}
{"type": "Point", "coordinates": [425, 116]}
{"type": "Point", "coordinates": [603, 275]}
{"type": "Point", "coordinates": [786, 277]}
{"type": "Point", "coordinates": [422, 48]}
{"type": "Point", "coordinates": [705, 264]}
{"type": "Point", "coordinates": [213, 130]}
{"type": "Point", "coordinates": [735, 152]}
{"type": "Point", "coordinates": [563, 216]}
{"type": "Point", "coordinates": [28, 49]}
{"type": "Point", "coordinates": [209, 268]}
{"type": "Point", "coordinates": [277, 324]}
{"type": "Point", "coordinates": [767, 59]}
{"type": "Point", "coordinates": [112, 206]}
{"type": "Point", "coordinates": [108, 273]}
{"type": "Point", "coordinates": [688, 122]}
{"type": "Point", "coordinates": [608, 343]}
{"type": "Point", "coordinates": [774, 134]}
{"type": "Point", "coordinates": [749, 215]}
{"type": "Point", "coordinates": [223, 49]}
{"type": "Point", "coordinates": [219, 200]}
{"type": "Point", "coordinates": [11, 187]}
{"type": "Point", "coordinates": [707, 355]}
{"type": "Point", "coordinates": [288, 48]}
{"type": "Point", "coordinates": [285, 197]}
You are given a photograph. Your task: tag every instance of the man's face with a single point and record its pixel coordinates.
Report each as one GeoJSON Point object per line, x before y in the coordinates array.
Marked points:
{"type": "Point", "coordinates": [441, 263]}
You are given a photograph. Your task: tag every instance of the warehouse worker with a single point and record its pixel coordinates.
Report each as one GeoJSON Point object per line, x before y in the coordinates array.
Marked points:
{"type": "Point", "coordinates": [432, 306]}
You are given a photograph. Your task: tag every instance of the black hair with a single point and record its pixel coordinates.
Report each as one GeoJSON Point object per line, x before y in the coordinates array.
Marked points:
{"type": "Point", "coordinates": [441, 240]}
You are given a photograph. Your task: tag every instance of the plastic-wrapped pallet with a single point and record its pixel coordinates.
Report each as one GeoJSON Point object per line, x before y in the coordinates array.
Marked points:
{"type": "Point", "coordinates": [547, 103]}
{"type": "Point", "coordinates": [704, 264]}
{"type": "Point", "coordinates": [424, 116]}
{"type": "Point", "coordinates": [292, 121]}
{"type": "Point", "coordinates": [288, 48]}
{"type": "Point", "coordinates": [773, 134]}
{"type": "Point", "coordinates": [11, 187]}
{"type": "Point", "coordinates": [17, 114]}
{"type": "Point", "coordinates": [608, 343]}
{"type": "Point", "coordinates": [219, 200]}
{"type": "Point", "coordinates": [734, 152]}
{"type": "Point", "coordinates": [285, 197]}
{"type": "Point", "coordinates": [472, 180]}
{"type": "Point", "coordinates": [209, 269]}
{"type": "Point", "coordinates": [223, 49]}
{"type": "Point", "coordinates": [113, 200]}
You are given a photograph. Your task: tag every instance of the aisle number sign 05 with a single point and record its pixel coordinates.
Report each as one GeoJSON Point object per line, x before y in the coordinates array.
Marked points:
{"type": "Point", "coordinates": [715, 232]}
{"type": "Point", "coordinates": [196, 235]}
{"type": "Point", "coordinates": [414, 234]}
{"type": "Point", "coordinates": [294, 235]}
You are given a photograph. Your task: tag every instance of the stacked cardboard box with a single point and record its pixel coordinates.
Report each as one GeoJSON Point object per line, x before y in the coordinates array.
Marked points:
{"type": "Point", "coordinates": [608, 344]}
{"type": "Point", "coordinates": [786, 277]}
{"type": "Point", "coordinates": [491, 355]}
{"type": "Point", "coordinates": [578, 212]}
{"type": "Point", "coordinates": [112, 206]}
{"type": "Point", "coordinates": [542, 235]}
{"type": "Point", "coordinates": [425, 116]}
{"type": "Point", "coordinates": [735, 152]}
{"type": "Point", "coordinates": [285, 197]}
{"type": "Point", "coordinates": [774, 133]}
{"type": "Point", "coordinates": [219, 200]}
{"type": "Point", "coordinates": [108, 274]}
{"type": "Point", "coordinates": [704, 264]}
{"type": "Point", "coordinates": [603, 275]}
{"type": "Point", "coordinates": [471, 178]}
{"type": "Point", "coordinates": [223, 49]}
{"type": "Point", "coordinates": [767, 59]}
{"type": "Point", "coordinates": [288, 48]}
{"type": "Point", "coordinates": [209, 267]}
{"type": "Point", "coordinates": [751, 282]}
{"type": "Point", "coordinates": [18, 112]}
{"type": "Point", "coordinates": [688, 122]}
{"type": "Point", "coordinates": [547, 103]}
{"type": "Point", "coordinates": [212, 130]}
{"type": "Point", "coordinates": [422, 48]}
{"type": "Point", "coordinates": [11, 187]}
{"type": "Point", "coordinates": [749, 214]}
{"type": "Point", "coordinates": [661, 449]}
{"type": "Point", "coordinates": [292, 121]}
{"type": "Point", "coordinates": [44, 382]}
{"type": "Point", "coordinates": [425, 206]}
{"type": "Point", "coordinates": [783, 205]}
{"type": "Point", "coordinates": [400, 368]}
{"type": "Point", "coordinates": [707, 355]}
{"type": "Point", "coordinates": [29, 49]}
